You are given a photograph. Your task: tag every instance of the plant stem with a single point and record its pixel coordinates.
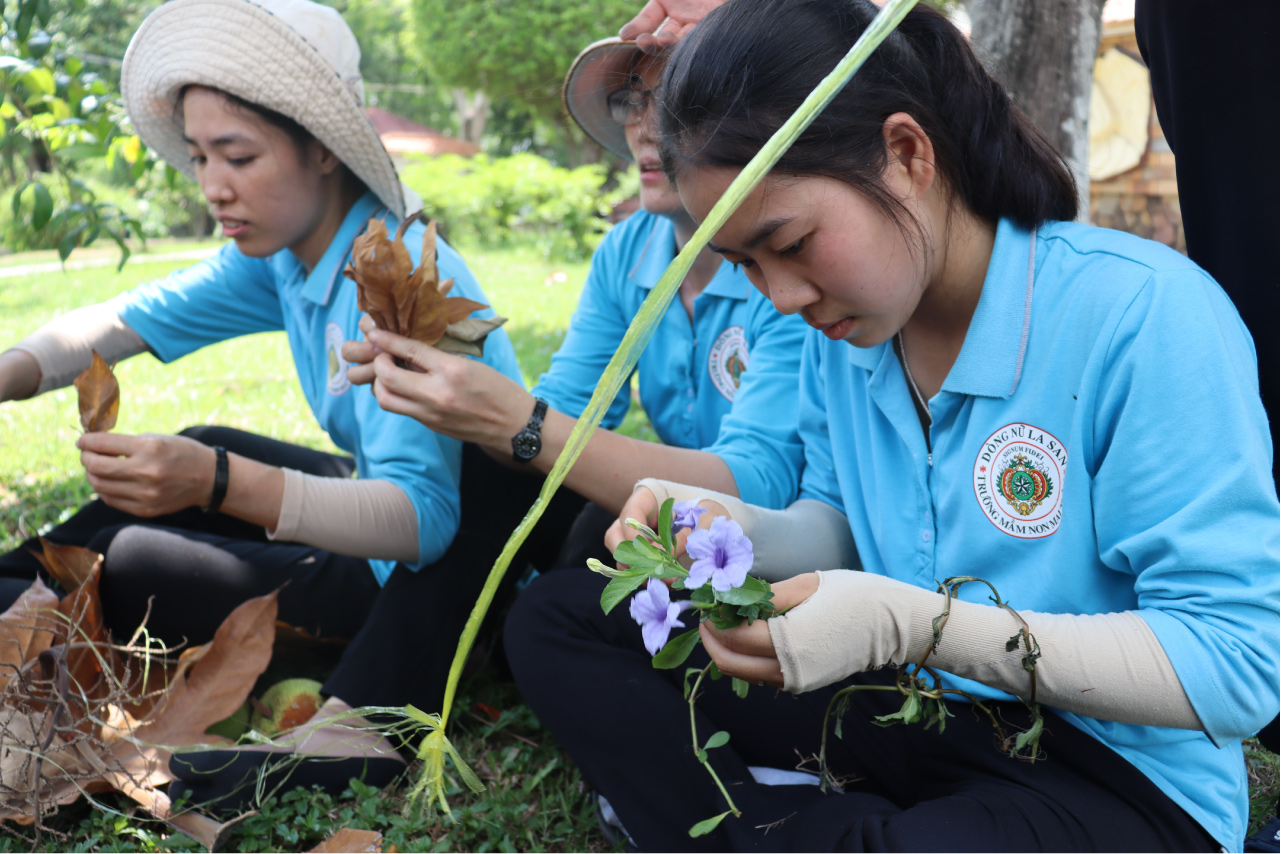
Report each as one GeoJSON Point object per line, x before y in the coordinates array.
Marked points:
{"type": "Point", "coordinates": [693, 732]}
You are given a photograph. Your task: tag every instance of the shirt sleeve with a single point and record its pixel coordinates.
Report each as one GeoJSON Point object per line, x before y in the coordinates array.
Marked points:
{"type": "Point", "coordinates": [595, 332]}
{"type": "Point", "coordinates": [1184, 498]}
{"type": "Point", "coordinates": [818, 482]}
{"type": "Point", "coordinates": [759, 438]}
{"type": "Point", "coordinates": [222, 297]}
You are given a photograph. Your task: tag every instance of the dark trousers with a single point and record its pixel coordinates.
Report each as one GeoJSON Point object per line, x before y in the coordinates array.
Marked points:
{"type": "Point", "coordinates": [626, 725]}
{"type": "Point", "coordinates": [196, 568]}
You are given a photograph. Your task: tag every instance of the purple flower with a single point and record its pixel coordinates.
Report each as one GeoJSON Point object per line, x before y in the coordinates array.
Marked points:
{"type": "Point", "coordinates": [722, 554]}
{"type": "Point", "coordinates": [685, 515]}
{"type": "Point", "coordinates": [657, 614]}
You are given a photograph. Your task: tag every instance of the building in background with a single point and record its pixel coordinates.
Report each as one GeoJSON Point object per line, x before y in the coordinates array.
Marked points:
{"type": "Point", "coordinates": [1132, 180]}
{"type": "Point", "coordinates": [403, 137]}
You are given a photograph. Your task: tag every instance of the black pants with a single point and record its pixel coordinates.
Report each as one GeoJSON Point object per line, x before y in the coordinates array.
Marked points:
{"type": "Point", "coordinates": [626, 725]}
{"type": "Point", "coordinates": [196, 568]}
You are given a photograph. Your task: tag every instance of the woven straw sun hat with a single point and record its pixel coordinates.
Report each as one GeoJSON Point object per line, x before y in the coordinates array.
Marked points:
{"type": "Point", "coordinates": [292, 56]}
{"type": "Point", "coordinates": [601, 68]}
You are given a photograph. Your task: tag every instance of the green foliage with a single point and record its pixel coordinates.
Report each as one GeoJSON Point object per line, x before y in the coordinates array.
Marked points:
{"type": "Point", "coordinates": [501, 202]}
{"type": "Point", "coordinates": [55, 117]}
{"type": "Point", "coordinates": [514, 49]}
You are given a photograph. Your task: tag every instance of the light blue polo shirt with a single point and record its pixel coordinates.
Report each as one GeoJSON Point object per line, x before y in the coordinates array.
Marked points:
{"type": "Point", "coordinates": [1099, 446]}
{"type": "Point", "coordinates": [725, 382]}
{"type": "Point", "coordinates": [232, 294]}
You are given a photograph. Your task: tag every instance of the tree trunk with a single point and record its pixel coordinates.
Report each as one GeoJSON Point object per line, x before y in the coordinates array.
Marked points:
{"type": "Point", "coordinates": [473, 112]}
{"type": "Point", "coordinates": [1043, 51]}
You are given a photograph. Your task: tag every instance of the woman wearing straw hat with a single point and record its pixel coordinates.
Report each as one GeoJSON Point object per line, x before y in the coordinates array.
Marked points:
{"type": "Point", "coordinates": [717, 381]}
{"type": "Point", "coordinates": [261, 102]}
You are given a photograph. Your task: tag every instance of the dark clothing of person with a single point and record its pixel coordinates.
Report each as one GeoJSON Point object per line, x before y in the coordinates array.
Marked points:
{"type": "Point", "coordinates": [196, 568]}
{"type": "Point", "coordinates": [907, 788]}
{"type": "Point", "coordinates": [1213, 75]}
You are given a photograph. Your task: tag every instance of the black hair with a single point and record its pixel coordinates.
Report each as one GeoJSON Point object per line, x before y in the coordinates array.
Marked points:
{"type": "Point", "coordinates": [748, 65]}
{"type": "Point", "coordinates": [300, 136]}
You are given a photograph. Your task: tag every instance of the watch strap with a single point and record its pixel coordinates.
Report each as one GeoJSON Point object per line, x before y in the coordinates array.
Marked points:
{"type": "Point", "coordinates": [222, 470]}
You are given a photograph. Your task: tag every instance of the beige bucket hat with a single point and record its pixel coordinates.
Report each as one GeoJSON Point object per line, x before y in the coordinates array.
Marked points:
{"type": "Point", "coordinates": [601, 68]}
{"type": "Point", "coordinates": [292, 56]}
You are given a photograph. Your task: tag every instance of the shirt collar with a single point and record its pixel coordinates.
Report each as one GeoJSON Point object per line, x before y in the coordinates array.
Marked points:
{"type": "Point", "coordinates": [660, 250]}
{"type": "Point", "coordinates": [319, 286]}
{"type": "Point", "coordinates": [991, 359]}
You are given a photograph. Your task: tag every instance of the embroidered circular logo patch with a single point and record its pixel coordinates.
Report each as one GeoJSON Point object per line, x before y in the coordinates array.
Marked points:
{"type": "Point", "coordinates": [728, 360]}
{"type": "Point", "coordinates": [337, 383]}
{"type": "Point", "coordinates": [1018, 481]}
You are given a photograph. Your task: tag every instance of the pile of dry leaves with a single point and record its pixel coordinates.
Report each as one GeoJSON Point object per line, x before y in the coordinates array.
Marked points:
{"type": "Point", "coordinates": [80, 714]}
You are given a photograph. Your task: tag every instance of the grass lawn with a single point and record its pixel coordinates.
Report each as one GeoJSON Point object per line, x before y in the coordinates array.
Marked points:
{"type": "Point", "coordinates": [535, 799]}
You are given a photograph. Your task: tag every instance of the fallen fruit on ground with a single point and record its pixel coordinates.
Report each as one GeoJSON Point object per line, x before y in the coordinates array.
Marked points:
{"type": "Point", "coordinates": [414, 303]}
{"type": "Point", "coordinates": [287, 704]}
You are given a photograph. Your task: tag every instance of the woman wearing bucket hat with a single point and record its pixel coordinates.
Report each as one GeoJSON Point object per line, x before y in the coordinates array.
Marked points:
{"type": "Point", "coordinates": [717, 381]}
{"type": "Point", "coordinates": [261, 102]}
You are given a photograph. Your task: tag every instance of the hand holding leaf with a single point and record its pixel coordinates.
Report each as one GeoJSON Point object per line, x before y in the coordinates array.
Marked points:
{"type": "Point", "coordinates": [414, 303]}
{"type": "Point", "coordinates": [99, 396]}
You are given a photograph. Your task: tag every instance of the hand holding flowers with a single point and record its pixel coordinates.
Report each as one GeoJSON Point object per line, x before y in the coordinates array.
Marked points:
{"type": "Point", "coordinates": [722, 593]}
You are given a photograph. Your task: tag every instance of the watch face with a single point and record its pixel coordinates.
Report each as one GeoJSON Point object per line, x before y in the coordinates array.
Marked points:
{"type": "Point", "coordinates": [527, 444]}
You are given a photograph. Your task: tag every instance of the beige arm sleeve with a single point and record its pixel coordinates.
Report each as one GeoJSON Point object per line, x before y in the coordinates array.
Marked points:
{"type": "Point", "coordinates": [364, 518]}
{"type": "Point", "coordinates": [1106, 666]}
{"type": "Point", "coordinates": [64, 347]}
{"type": "Point", "coordinates": [828, 541]}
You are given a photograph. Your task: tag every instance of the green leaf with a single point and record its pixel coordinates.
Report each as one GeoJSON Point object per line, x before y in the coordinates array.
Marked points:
{"type": "Point", "coordinates": [39, 81]}
{"type": "Point", "coordinates": [701, 755]}
{"type": "Point", "coordinates": [73, 63]}
{"type": "Point", "coordinates": [1031, 736]}
{"type": "Point", "coordinates": [740, 687]}
{"type": "Point", "coordinates": [742, 596]}
{"type": "Point", "coordinates": [689, 671]}
{"type": "Point", "coordinates": [676, 651]}
{"type": "Point", "coordinates": [628, 553]}
{"type": "Point", "coordinates": [618, 589]}
{"type": "Point", "coordinates": [16, 201]}
{"type": "Point", "coordinates": [68, 243]}
{"type": "Point", "coordinates": [665, 525]}
{"type": "Point", "coordinates": [713, 672]}
{"type": "Point", "coordinates": [910, 713]}
{"type": "Point", "coordinates": [706, 826]}
{"type": "Point", "coordinates": [82, 151]}
{"type": "Point", "coordinates": [44, 206]}
{"type": "Point", "coordinates": [39, 43]}
{"type": "Point", "coordinates": [717, 739]}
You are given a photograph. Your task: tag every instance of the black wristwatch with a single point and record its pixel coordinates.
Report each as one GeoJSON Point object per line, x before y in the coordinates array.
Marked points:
{"type": "Point", "coordinates": [528, 442]}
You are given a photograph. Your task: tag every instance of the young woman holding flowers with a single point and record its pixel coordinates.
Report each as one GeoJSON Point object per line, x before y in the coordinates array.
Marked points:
{"type": "Point", "coordinates": [717, 381]}
{"type": "Point", "coordinates": [986, 392]}
{"type": "Point", "coordinates": [261, 102]}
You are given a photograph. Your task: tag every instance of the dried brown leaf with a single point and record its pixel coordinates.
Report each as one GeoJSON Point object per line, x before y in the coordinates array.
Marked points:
{"type": "Point", "coordinates": [69, 565]}
{"type": "Point", "coordinates": [461, 307]}
{"type": "Point", "coordinates": [27, 629]}
{"type": "Point", "coordinates": [379, 267]}
{"type": "Point", "coordinates": [99, 396]}
{"type": "Point", "coordinates": [348, 840]}
{"type": "Point", "coordinates": [467, 337]}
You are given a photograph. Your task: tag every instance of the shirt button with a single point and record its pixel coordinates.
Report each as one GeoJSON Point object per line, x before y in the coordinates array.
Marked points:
{"type": "Point", "coordinates": [689, 392]}
{"type": "Point", "coordinates": [926, 536]}
{"type": "Point", "coordinates": [689, 408]}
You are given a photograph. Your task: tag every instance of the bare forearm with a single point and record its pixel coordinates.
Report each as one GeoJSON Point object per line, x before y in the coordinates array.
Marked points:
{"type": "Point", "coordinates": [610, 465]}
{"type": "Point", "coordinates": [254, 491]}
